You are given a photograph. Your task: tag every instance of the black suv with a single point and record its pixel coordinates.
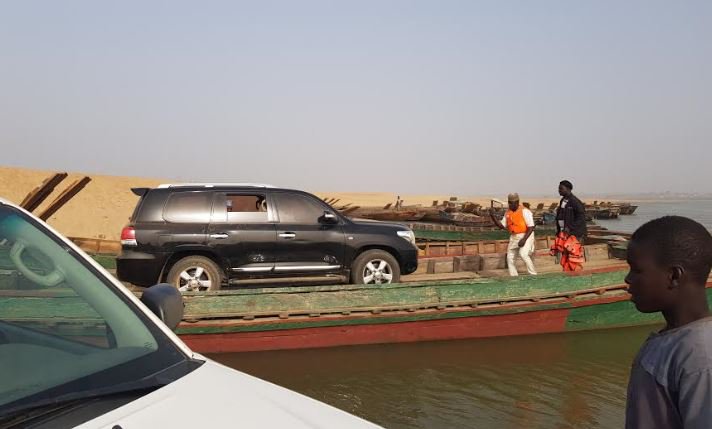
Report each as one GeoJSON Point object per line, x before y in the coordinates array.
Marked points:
{"type": "Point", "coordinates": [202, 236]}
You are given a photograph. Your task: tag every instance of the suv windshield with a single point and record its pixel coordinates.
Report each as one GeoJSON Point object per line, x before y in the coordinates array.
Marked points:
{"type": "Point", "coordinates": [64, 329]}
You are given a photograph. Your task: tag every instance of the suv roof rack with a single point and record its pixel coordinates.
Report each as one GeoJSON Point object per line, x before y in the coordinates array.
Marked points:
{"type": "Point", "coordinates": [214, 185]}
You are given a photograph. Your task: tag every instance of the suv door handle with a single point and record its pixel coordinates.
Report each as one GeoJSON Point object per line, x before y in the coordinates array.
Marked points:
{"type": "Point", "coordinates": [287, 235]}
{"type": "Point", "coordinates": [219, 236]}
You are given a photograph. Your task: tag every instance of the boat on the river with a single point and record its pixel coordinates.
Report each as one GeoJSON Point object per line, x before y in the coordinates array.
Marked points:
{"type": "Point", "coordinates": [340, 315]}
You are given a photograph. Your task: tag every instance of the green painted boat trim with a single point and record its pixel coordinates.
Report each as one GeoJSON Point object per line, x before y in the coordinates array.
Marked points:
{"type": "Point", "coordinates": [460, 235]}
{"type": "Point", "coordinates": [335, 299]}
{"type": "Point", "coordinates": [321, 299]}
{"type": "Point", "coordinates": [593, 316]}
{"type": "Point", "coordinates": [106, 261]}
{"type": "Point", "coordinates": [621, 313]}
{"type": "Point", "coordinates": [70, 307]}
{"type": "Point", "coordinates": [422, 234]}
{"type": "Point", "coordinates": [220, 327]}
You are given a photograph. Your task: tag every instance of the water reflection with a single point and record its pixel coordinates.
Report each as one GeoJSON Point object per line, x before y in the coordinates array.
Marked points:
{"type": "Point", "coordinates": [546, 381]}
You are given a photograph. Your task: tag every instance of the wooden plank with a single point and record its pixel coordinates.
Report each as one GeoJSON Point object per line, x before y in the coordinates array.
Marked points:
{"type": "Point", "coordinates": [350, 209]}
{"type": "Point", "coordinates": [96, 245]}
{"type": "Point", "coordinates": [35, 197]}
{"type": "Point", "coordinates": [65, 197]}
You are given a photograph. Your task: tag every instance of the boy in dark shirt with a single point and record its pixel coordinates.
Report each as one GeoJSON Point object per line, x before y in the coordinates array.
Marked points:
{"type": "Point", "coordinates": [671, 379]}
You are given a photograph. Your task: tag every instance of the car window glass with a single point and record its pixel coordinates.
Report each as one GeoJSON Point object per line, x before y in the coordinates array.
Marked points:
{"type": "Point", "coordinates": [240, 208]}
{"type": "Point", "coordinates": [246, 208]}
{"type": "Point", "coordinates": [297, 208]}
{"type": "Point", "coordinates": [59, 321]}
{"type": "Point", "coordinates": [186, 207]}
{"type": "Point", "coordinates": [15, 286]}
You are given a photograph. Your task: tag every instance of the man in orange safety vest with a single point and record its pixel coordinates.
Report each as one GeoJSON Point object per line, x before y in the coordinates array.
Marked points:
{"type": "Point", "coordinates": [519, 221]}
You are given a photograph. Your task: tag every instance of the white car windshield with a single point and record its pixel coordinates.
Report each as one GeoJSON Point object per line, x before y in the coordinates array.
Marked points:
{"type": "Point", "coordinates": [65, 330]}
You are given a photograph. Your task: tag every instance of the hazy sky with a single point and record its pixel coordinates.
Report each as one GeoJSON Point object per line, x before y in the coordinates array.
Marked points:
{"type": "Point", "coordinates": [405, 96]}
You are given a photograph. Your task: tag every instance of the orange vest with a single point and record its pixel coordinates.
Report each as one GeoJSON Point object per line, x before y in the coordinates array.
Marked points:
{"type": "Point", "coordinates": [515, 221]}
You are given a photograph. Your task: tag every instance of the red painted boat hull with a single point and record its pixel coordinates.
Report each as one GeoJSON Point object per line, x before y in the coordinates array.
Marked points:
{"type": "Point", "coordinates": [405, 332]}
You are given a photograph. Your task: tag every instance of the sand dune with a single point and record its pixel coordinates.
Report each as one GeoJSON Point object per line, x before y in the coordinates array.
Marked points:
{"type": "Point", "coordinates": [104, 206]}
{"type": "Point", "coordinates": [99, 211]}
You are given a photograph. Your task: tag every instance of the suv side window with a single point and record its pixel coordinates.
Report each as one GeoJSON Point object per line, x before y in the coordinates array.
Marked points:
{"type": "Point", "coordinates": [297, 208]}
{"type": "Point", "coordinates": [188, 207]}
{"type": "Point", "coordinates": [241, 208]}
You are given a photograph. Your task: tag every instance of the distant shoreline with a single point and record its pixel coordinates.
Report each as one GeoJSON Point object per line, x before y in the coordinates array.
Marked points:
{"type": "Point", "coordinates": [102, 209]}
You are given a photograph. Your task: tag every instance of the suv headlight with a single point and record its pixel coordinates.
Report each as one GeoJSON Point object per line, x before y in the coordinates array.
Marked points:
{"type": "Point", "coordinates": [408, 235]}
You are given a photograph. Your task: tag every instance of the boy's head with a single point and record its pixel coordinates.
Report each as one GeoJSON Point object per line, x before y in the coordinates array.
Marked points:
{"type": "Point", "coordinates": [667, 257]}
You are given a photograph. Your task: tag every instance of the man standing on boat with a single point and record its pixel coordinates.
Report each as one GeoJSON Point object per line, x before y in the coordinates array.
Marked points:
{"type": "Point", "coordinates": [570, 229]}
{"type": "Point", "coordinates": [571, 214]}
{"type": "Point", "coordinates": [519, 221]}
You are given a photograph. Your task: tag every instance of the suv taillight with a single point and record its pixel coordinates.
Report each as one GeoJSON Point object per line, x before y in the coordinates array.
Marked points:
{"type": "Point", "coordinates": [128, 236]}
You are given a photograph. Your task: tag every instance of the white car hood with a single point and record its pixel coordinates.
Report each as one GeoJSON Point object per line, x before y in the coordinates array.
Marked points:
{"type": "Point", "coordinates": [215, 396]}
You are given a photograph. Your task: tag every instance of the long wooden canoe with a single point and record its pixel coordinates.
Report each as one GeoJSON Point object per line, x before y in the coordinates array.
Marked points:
{"type": "Point", "coordinates": [327, 316]}
{"type": "Point", "coordinates": [339, 315]}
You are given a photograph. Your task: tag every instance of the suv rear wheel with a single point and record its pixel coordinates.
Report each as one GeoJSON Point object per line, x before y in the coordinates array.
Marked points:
{"type": "Point", "coordinates": [195, 273]}
{"type": "Point", "coordinates": [375, 267]}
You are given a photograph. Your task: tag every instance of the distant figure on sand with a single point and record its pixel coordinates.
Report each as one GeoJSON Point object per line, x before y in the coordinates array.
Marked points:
{"type": "Point", "coordinates": [519, 221]}
{"type": "Point", "coordinates": [671, 379]}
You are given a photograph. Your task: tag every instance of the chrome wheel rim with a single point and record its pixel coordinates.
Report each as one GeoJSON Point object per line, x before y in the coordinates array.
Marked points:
{"type": "Point", "coordinates": [377, 271]}
{"type": "Point", "coordinates": [194, 279]}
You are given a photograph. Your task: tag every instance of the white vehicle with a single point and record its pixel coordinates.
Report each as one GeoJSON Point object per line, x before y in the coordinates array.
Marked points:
{"type": "Point", "coordinates": [77, 349]}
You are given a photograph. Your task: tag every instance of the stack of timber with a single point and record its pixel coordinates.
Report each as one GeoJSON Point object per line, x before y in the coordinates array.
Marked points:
{"type": "Point", "coordinates": [37, 196]}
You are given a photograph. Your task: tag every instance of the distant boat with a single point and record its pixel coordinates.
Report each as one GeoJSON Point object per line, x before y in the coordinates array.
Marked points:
{"type": "Point", "coordinates": [627, 209]}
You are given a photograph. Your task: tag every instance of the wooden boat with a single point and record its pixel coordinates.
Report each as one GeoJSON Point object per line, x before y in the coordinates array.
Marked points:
{"type": "Point", "coordinates": [339, 315]}
{"type": "Point", "coordinates": [326, 316]}
{"type": "Point", "coordinates": [464, 219]}
{"type": "Point", "coordinates": [601, 212]}
{"type": "Point", "coordinates": [388, 214]}
{"type": "Point", "coordinates": [627, 209]}
{"type": "Point", "coordinates": [431, 214]}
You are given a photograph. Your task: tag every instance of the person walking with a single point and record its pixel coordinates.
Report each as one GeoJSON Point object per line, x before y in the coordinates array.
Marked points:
{"type": "Point", "coordinates": [570, 229]}
{"type": "Point", "coordinates": [519, 221]}
{"type": "Point", "coordinates": [571, 214]}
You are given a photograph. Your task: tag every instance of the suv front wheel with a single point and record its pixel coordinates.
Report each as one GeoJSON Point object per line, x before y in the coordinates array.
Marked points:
{"type": "Point", "coordinates": [375, 267]}
{"type": "Point", "coordinates": [194, 274]}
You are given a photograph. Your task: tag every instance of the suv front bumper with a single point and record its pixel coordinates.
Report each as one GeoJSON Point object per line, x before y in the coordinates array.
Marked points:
{"type": "Point", "coordinates": [409, 261]}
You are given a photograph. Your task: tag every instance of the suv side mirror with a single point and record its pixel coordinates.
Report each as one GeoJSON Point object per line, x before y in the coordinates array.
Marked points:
{"type": "Point", "coordinates": [166, 302]}
{"type": "Point", "coordinates": [328, 217]}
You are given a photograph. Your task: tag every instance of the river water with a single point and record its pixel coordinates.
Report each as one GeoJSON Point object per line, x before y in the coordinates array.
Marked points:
{"type": "Point", "coordinates": [699, 210]}
{"type": "Point", "coordinates": [572, 380]}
